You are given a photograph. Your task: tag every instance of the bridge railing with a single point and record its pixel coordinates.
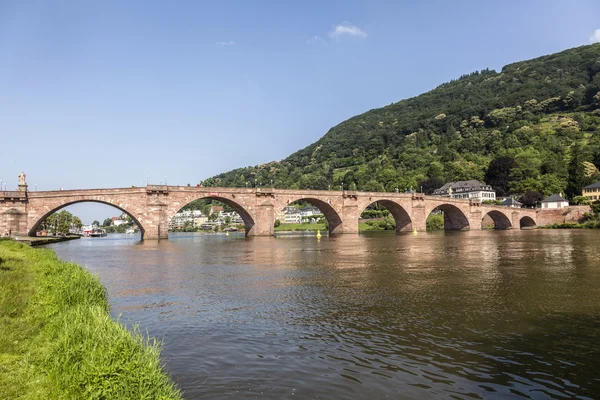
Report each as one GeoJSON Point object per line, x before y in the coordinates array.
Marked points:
{"type": "Point", "coordinates": [157, 189]}
{"type": "Point", "coordinates": [13, 194]}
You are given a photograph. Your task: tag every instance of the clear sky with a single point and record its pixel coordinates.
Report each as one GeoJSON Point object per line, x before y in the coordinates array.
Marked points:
{"type": "Point", "coordinates": [105, 93]}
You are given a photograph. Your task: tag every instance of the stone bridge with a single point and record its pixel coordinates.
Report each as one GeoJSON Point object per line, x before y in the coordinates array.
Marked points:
{"type": "Point", "coordinates": [153, 206]}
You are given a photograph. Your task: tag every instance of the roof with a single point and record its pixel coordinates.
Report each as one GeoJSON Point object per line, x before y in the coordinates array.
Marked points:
{"type": "Point", "coordinates": [554, 198]}
{"type": "Point", "coordinates": [593, 186]}
{"type": "Point", "coordinates": [510, 202]}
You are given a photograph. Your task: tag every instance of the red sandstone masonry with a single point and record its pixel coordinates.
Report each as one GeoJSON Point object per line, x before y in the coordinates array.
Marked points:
{"type": "Point", "coordinates": [152, 208]}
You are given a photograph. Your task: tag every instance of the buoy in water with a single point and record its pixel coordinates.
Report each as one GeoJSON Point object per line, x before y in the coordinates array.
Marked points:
{"type": "Point", "coordinates": [414, 231]}
{"type": "Point", "coordinates": [318, 234]}
{"type": "Point", "coordinates": [226, 233]}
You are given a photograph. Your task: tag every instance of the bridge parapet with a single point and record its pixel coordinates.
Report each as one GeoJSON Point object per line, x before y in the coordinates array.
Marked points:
{"type": "Point", "coordinates": [157, 189]}
{"type": "Point", "coordinates": [13, 196]}
{"type": "Point", "coordinates": [350, 194]}
{"type": "Point", "coordinates": [265, 192]}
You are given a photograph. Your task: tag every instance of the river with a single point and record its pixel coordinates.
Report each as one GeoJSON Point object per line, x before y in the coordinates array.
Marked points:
{"type": "Point", "coordinates": [481, 314]}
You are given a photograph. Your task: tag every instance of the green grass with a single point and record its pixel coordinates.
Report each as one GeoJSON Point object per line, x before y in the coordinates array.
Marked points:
{"type": "Point", "coordinates": [301, 227]}
{"type": "Point", "coordinates": [58, 341]}
{"type": "Point", "coordinates": [363, 226]}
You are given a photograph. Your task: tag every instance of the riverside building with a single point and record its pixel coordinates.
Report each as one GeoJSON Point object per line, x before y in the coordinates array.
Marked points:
{"type": "Point", "coordinates": [591, 192]}
{"type": "Point", "coordinates": [466, 190]}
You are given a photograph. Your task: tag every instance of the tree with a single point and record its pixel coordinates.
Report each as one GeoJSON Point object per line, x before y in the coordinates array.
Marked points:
{"type": "Point", "coordinates": [528, 165]}
{"type": "Point", "coordinates": [61, 222]}
{"type": "Point", "coordinates": [95, 223]}
{"type": "Point", "coordinates": [435, 222]}
{"type": "Point", "coordinates": [429, 185]}
{"type": "Point", "coordinates": [107, 222]}
{"type": "Point", "coordinates": [373, 186]}
{"type": "Point", "coordinates": [531, 198]}
{"type": "Point", "coordinates": [76, 222]}
{"type": "Point", "coordinates": [498, 174]}
{"type": "Point", "coordinates": [577, 178]}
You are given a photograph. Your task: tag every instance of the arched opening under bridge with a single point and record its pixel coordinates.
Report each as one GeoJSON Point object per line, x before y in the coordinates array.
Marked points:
{"type": "Point", "coordinates": [307, 214]}
{"type": "Point", "coordinates": [211, 214]}
{"type": "Point", "coordinates": [527, 223]}
{"type": "Point", "coordinates": [447, 217]}
{"type": "Point", "coordinates": [495, 220]}
{"type": "Point", "coordinates": [81, 218]}
{"type": "Point", "coordinates": [385, 215]}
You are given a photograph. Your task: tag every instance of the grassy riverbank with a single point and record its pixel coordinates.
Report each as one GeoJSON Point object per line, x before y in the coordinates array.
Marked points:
{"type": "Point", "coordinates": [300, 227]}
{"type": "Point", "coordinates": [58, 340]}
{"type": "Point", "coordinates": [573, 225]}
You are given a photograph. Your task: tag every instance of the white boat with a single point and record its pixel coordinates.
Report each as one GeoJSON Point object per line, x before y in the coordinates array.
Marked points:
{"type": "Point", "coordinates": [130, 231]}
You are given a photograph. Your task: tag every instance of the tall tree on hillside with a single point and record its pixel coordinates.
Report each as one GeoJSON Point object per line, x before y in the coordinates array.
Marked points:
{"type": "Point", "coordinates": [429, 185]}
{"type": "Point", "coordinates": [577, 177]}
{"type": "Point", "coordinates": [498, 174]}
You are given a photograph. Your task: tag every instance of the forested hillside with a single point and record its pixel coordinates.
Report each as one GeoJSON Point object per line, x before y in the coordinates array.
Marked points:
{"type": "Point", "coordinates": [533, 127]}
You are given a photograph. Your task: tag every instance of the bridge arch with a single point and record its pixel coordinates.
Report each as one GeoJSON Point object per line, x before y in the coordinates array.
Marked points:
{"type": "Point", "coordinates": [501, 221]}
{"type": "Point", "coordinates": [334, 219]}
{"type": "Point", "coordinates": [399, 213]}
{"type": "Point", "coordinates": [455, 219]}
{"type": "Point", "coordinates": [37, 221]}
{"type": "Point", "coordinates": [243, 211]}
{"type": "Point", "coordinates": [527, 222]}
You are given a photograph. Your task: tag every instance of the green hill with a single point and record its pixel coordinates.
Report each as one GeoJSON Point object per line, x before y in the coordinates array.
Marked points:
{"type": "Point", "coordinates": [534, 126]}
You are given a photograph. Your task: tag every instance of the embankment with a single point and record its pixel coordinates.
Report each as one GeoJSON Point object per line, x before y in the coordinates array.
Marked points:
{"type": "Point", "coordinates": [58, 340]}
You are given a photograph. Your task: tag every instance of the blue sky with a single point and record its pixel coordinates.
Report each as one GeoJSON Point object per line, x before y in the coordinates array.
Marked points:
{"type": "Point", "coordinates": [103, 94]}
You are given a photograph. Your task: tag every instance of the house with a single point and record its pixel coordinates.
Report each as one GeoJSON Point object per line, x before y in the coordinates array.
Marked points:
{"type": "Point", "coordinates": [512, 203]}
{"type": "Point", "coordinates": [591, 192]}
{"type": "Point", "coordinates": [466, 190]}
{"type": "Point", "coordinates": [200, 220]}
{"type": "Point", "coordinates": [555, 201]}
{"type": "Point", "coordinates": [293, 217]}
{"type": "Point", "coordinates": [216, 210]}
{"type": "Point", "coordinates": [116, 221]}
{"type": "Point", "coordinates": [280, 215]}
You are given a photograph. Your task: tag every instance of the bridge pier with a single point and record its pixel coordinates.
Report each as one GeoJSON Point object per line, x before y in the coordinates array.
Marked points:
{"type": "Point", "coordinates": [155, 223]}
{"type": "Point", "coordinates": [264, 221]}
{"type": "Point", "coordinates": [13, 213]}
{"type": "Point", "coordinates": [350, 214]}
{"type": "Point", "coordinates": [419, 216]}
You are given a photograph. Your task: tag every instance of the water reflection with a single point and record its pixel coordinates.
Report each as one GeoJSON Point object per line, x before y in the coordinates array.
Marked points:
{"type": "Point", "coordinates": [456, 314]}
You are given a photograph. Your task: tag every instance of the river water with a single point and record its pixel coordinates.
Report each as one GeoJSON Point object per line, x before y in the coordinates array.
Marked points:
{"type": "Point", "coordinates": [482, 314]}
